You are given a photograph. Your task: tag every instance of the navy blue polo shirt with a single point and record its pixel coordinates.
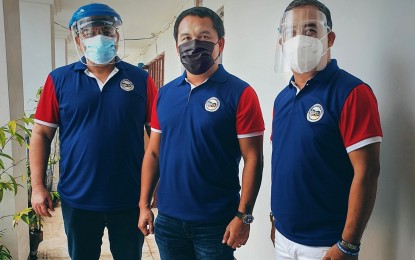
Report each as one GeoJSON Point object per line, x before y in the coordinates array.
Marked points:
{"type": "Point", "coordinates": [199, 151]}
{"type": "Point", "coordinates": [312, 132]}
{"type": "Point", "coordinates": [100, 132]}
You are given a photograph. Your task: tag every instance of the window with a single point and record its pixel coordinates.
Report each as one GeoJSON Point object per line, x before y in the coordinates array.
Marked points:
{"type": "Point", "coordinates": [156, 70]}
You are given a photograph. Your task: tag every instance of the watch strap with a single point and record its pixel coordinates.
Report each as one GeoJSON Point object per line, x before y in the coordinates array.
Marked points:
{"type": "Point", "coordinates": [246, 218]}
{"type": "Point", "coordinates": [239, 215]}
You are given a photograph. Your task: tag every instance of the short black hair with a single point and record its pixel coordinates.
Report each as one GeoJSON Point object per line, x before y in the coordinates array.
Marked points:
{"type": "Point", "coordinates": [320, 6]}
{"type": "Point", "coordinates": [201, 12]}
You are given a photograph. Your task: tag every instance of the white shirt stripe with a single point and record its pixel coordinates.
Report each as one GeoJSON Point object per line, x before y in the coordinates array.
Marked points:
{"type": "Point", "coordinates": [363, 143]}
{"type": "Point", "coordinates": [156, 130]}
{"type": "Point", "coordinates": [40, 122]}
{"type": "Point", "coordinates": [251, 135]}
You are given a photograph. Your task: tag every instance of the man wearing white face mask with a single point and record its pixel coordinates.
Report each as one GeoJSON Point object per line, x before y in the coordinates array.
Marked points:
{"type": "Point", "coordinates": [101, 105]}
{"type": "Point", "coordinates": [326, 138]}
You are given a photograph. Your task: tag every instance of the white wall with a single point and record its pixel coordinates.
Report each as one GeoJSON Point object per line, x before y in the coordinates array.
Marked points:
{"type": "Point", "coordinates": [375, 46]}
{"type": "Point", "coordinates": [374, 42]}
{"type": "Point", "coordinates": [250, 35]}
{"type": "Point", "coordinates": [165, 43]}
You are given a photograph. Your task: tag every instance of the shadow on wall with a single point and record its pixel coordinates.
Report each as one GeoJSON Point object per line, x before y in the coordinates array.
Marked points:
{"type": "Point", "coordinates": [395, 209]}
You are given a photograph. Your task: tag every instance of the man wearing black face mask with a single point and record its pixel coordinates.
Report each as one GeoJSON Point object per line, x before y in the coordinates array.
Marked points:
{"type": "Point", "coordinates": [196, 56]}
{"type": "Point", "coordinates": [204, 122]}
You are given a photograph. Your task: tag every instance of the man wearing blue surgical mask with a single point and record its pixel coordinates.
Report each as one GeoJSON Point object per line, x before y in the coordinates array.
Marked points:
{"type": "Point", "coordinates": [326, 137]}
{"type": "Point", "coordinates": [101, 105]}
{"type": "Point", "coordinates": [202, 124]}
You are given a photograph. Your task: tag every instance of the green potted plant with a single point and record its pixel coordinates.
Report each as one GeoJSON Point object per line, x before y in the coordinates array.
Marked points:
{"type": "Point", "coordinates": [19, 131]}
{"type": "Point", "coordinates": [12, 131]}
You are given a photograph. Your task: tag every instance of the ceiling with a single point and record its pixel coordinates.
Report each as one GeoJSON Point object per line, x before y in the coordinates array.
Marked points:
{"type": "Point", "coordinates": [141, 18]}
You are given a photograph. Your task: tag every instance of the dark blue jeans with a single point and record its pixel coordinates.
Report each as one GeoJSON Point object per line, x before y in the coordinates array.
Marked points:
{"type": "Point", "coordinates": [84, 231]}
{"type": "Point", "coordinates": [184, 240]}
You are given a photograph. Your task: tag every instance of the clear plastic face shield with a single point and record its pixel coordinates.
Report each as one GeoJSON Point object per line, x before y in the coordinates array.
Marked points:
{"type": "Point", "coordinates": [302, 43]}
{"type": "Point", "coordinates": [100, 39]}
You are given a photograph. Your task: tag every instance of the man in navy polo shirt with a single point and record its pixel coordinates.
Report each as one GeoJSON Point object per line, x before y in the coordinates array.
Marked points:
{"type": "Point", "coordinates": [100, 105]}
{"type": "Point", "coordinates": [326, 138]}
{"type": "Point", "coordinates": [203, 122]}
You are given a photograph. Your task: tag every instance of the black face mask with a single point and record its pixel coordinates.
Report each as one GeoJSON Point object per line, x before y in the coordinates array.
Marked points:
{"type": "Point", "coordinates": [196, 56]}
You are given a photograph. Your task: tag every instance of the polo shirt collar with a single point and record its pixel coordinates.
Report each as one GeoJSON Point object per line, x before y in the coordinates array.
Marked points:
{"type": "Point", "coordinates": [323, 76]}
{"type": "Point", "coordinates": [81, 66]}
{"type": "Point", "coordinates": [220, 75]}
{"type": "Point", "coordinates": [327, 73]}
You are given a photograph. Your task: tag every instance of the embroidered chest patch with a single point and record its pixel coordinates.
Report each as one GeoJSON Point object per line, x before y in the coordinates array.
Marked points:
{"type": "Point", "coordinates": [126, 85]}
{"type": "Point", "coordinates": [315, 113]}
{"type": "Point", "coordinates": [212, 104]}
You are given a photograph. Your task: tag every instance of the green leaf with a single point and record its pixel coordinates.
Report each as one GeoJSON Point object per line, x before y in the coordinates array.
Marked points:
{"type": "Point", "coordinates": [25, 219]}
{"type": "Point", "coordinates": [5, 253]}
{"type": "Point", "coordinates": [38, 92]}
{"type": "Point", "coordinates": [55, 196]}
{"type": "Point", "coordinates": [14, 183]}
{"type": "Point", "coordinates": [6, 155]}
{"type": "Point", "coordinates": [1, 194]}
{"type": "Point", "coordinates": [27, 131]}
{"type": "Point", "coordinates": [1, 164]}
{"type": "Point", "coordinates": [25, 120]}
{"type": "Point", "coordinates": [12, 127]}
{"type": "Point", "coordinates": [23, 215]}
{"type": "Point", "coordinates": [7, 186]}
{"type": "Point", "coordinates": [2, 138]}
{"type": "Point", "coordinates": [20, 139]}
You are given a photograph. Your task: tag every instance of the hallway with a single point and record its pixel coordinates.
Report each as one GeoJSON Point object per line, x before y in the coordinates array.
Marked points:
{"type": "Point", "coordinates": [54, 245]}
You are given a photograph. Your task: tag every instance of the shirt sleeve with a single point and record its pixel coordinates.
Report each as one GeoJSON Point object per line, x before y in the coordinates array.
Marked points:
{"type": "Point", "coordinates": [47, 111]}
{"type": "Point", "coordinates": [360, 122]}
{"type": "Point", "coordinates": [151, 94]}
{"type": "Point", "coordinates": [155, 125]}
{"type": "Point", "coordinates": [249, 120]}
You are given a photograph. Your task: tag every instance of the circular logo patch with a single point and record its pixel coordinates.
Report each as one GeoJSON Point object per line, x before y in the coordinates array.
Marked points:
{"type": "Point", "coordinates": [315, 113]}
{"type": "Point", "coordinates": [212, 104]}
{"type": "Point", "coordinates": [126, 85]}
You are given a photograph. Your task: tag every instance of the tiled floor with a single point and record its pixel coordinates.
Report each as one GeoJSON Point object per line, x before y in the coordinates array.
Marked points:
{"type": "Point", "coordinates": [54, 242]}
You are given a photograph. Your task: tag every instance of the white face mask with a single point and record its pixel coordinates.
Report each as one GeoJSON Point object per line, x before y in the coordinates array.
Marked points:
{"type": "Point", "coordinates": [303, 53]}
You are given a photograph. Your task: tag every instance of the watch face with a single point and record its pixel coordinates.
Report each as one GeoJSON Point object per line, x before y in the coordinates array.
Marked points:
{"type": "Point", "coordinates": [248, 219]}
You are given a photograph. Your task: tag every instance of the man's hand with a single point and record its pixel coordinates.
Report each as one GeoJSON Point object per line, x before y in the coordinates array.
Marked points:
{"type": "Point", "coordinates": [145, 222]}
{"type": "Point", "coordinates": [335, 254]}
{"type": "Point", "coordinates": [41, 201]}
{"type": "Point", "coordinates": [236, 234]}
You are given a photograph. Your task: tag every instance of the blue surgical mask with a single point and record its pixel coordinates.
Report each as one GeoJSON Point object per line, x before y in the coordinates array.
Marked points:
{"type": "Point", "coordinates": [100, 49]}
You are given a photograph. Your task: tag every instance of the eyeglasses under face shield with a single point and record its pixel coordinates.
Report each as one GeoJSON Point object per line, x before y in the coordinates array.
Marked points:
{"type": "Point", "coordinates": [305, 22]}
{"type": "Point", "coordinates": [92, 26]}
{"type": "Point", "coordinates": [91, 31]}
